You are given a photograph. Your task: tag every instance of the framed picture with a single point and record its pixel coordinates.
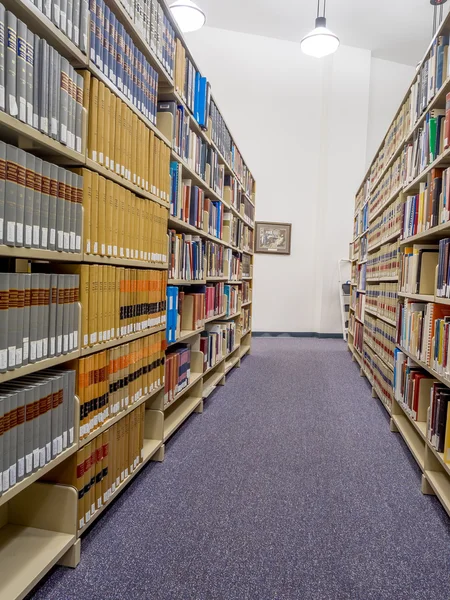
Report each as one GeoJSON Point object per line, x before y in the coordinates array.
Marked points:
{"type": "Point", "coordinates": [273, 238]}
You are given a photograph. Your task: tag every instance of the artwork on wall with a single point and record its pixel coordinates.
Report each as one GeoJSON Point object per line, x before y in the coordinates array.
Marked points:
{"type": "Point", "coordinates": [273, 238]}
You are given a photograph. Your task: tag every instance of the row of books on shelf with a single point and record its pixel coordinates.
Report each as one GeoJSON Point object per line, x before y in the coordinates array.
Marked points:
{"type": "Point", "coordinates": [116, 301]}
{"type": "Point", "coordinates": [380, 374]}
{"type": "Point", "coordinates": [358, 302]}
{"type": "Point", "coordinates": [39, 317]}
{"type": "Point", "coordinates": [114, 53]}
{"type": "Point", "coordinates": [37, 415]}
{"type": "Point", "coordinates": [382, 299]}
{"type": "Point", "coordinates": [388, 223]}
{"type": "Point", "coordinates": [443, 271]}
{"type": "Point", "coordinates": [194, 89]}
{"type": "Point", "coordinates": [187, 311]}
{"type": "Point", "coordinates": [418, 268]}
{"type": "Point", "coordinates": [122, 143]}
{"type": "Point", "coordinates": [432, 74]}
{"type": "Point", "coordinates": [361, 223]}
{"type": "Point", "coordinates": [178, 372]}
{"type": "Point", "coordinates": [190, 204]}
{"type": "Point", "coordinates": [361, 271]}
{"type": "Point", "coordinates": [422, 330]}
{"type": "Point", "coordinates": [390, 183]}
{"type": "Point", "coordinates": [381, 337]}
{"type": "Point", "coordinates": [429, 141]}
{"type": "Point", "coordinates": [245, 319]}
{"type": "Point", "coordinates": [363, 194]}
{"type": "Point", "coordinates": [358, 336]}
{"type": "Point", "coordinates": [111, 381]}
{"type": "Point", "coordinates": [99, 468]}
{"type": "Point", "coordinates": [118, 223]}
{"type": "Point", "coordinates": [235, 197]}
{"type": "Point", "coordinates": [425, 400]}
{"type": "Point", "coordinates": [384, 262]}
{"type": "Point", "coordinates": [155, 28]}
{"type": "Point", "coordinates": [40, 203]}
{"type": "Point", "coordinates": [40, 87]}
{"type": "Point", "coordinates": [397, 132]}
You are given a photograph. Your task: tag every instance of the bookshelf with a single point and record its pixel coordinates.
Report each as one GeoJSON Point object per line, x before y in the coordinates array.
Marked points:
{"type": "Point", "coordinates": [114, 193]}
{"type": "Point", "coordinates": [399, 252]}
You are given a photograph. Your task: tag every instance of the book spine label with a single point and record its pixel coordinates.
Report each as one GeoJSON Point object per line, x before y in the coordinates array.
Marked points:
{"type": "Point", "coordinates": [2, 189]}
{"type": "Point", "coordinates": [4, 303]}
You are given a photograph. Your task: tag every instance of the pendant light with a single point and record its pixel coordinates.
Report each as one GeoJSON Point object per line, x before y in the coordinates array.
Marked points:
{"type": "Point", "coordinates": [188, 15]}
{"type": "Point", "coordinates": [321, 41]}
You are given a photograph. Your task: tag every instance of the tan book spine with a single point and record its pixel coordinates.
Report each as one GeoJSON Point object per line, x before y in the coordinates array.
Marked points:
{"type": "Point", "coordinates": [87, 202]}
{"type": "Point", "coordinates": [93, 122]}
{"type": "Point", "coordinates": [87, 482]}
{"type": "Point", "coordinates": [86, 75]}
{"type": "Point", "coordinates": [134, 147]}
{"type": "Point", "coordinates": [106, 127]}
{"type": "Point", "coordinates": [84, 300]}
{"type": "Point", "coordinates": [101, 216]}
{"type": "Point", "coordinates": [123, 141]}
{"type": "Point", "coordinates": [94, 213]}
{"type": "Point", "coordinates": [112, 131]}
{"type": "Point", "coordinates": [128, 223]}
{"type": "Point", "coordinates": [115, 221]}
{"type": "Point", "coordinates": [93, 292]}
{"type": "Point", "coordinates": [118, 302]}
{"type": "Point", "coordinates": [101, 123]}
{"type": "Point", "coordinates": [98, 471]}
{"type": "Point", "coordinates": [118, 135]}
{"type": "Point", "coordinates": [109, 213]}
{"type": "Point", "coordinates": [151, 162]}
{"type": "Point", "coordinates": [121, 224]}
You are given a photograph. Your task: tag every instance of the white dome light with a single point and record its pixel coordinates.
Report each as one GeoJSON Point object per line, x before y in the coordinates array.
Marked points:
{"type": "Point", "coordinates": [321, 41]}
{"type": "Point", "coordinates": [188, 15]}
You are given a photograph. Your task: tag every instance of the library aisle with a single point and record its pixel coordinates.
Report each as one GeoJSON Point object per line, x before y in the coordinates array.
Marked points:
{"type": "Point", "coordinates": [289, 486]}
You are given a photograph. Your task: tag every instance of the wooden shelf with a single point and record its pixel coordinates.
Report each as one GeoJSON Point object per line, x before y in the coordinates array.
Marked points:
{"type": "Point", "coordinates": [138, 191]}
{"type": "Point", "coordinates": [26, 555]}
{"type": "Point", "coordinates": [179, 413]}
{"type": "Point", "coordinates": [184, 282]}
{"type": "Point", "coordinates": [179, 225]}
{"type": "Point", "coordinates": [440, 484]}
{"type": "Point", "coordinates": [194, 378]}
{"type": "Point", "coordinates": [359, 320]}
{"type": "Point", "coordinates": [243, 350]}
{"type": "Point", "coordinates": [198, 181]}
{"type": "Point", "coordinates": [247, 277]}
{"type": "Point", "coordinates": [38, 366]}
{"type": "Point", "coordinates": [210, 384]}
{"type": "Point", "coordinates": [412, 440]}
{"type": "Point", "coordinates": [225, 318]}
{"type": "Point", "coordinates": [38, 254]}
{"type": "Point", "coordinates": [122, 262]}
{"type": "Point", "coordinates": [246, 303]}
{"type": "Point", "coordinates": [229, 364]}
{"type": "Point", "coordinates": [435, 233]}
{"type": "Point", "coordinates": [215, 279]}
{"type": "Point", "coordinates": [185, 335]}
{"type": "Point", "coordinates": [213, 367]}
{"type": "Point", "coordinates": [417, 297]}
{"type": "Point", "coordinates": [123, 413]}
{"type": "Point", "coordinates": [381, 317]}
{"type": "Point", "coordinates": [21, 485]}
{"type": "Point", "coordinates": [122, 340]}
{"type": "Point", "coordinates": [23, 136]}
{"type": "Point", "coordinates": [387, 278]}
{"type": "Point", "coordinates": [424, 366]}
{"type": "Point", "coordinates": [215, 317]}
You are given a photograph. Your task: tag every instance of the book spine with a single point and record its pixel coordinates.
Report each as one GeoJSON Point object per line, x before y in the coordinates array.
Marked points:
{"type": "Point", "coordinates": [60, 315]}
{"type": "Point", "coordinates": [40, 316]}
{"type": "Point", "coordinates": [20, 318]}
{"type": "Point", "coordinates": [46, 314]}
{"type": "Point", "coordinates": [2, 57]}
{"type": "Point", "coordinates": [64, 100]}
{"type": "Point", "coordinates": [11, 65]}
{"type": "Point", "coordinates": [36, 94]}
{"type": "Point", "coordinates": [71, 110]}
{"type": "Point", "coordinates": [63, 15]}
{"type": "Point", "coordinates": [79, 112]}
{"type": "Point", "coordinates": [64, 197]}
{"type": "Point", "coordinates": [78, 212]}
{"type": "Point", "coordinates": [6, 443]}
{"type": "Point", "coordinates": [73, 210]}
{"type": "Point", "coordinates": [53, 130]}
{"type": "Point", "coordinates": [29, 200]}
{"type": "Point", "coordinates": [43, 86]}
{"type": "Point", "coordinates": [56, 15]}
{"type": "Point", "coordinates": [60, 208]}
{"type": "Point", "coordinates": [69, 9]}
{"type": "Point", "coordinates": [84, 26]}
{"type": "Point", "coordinates": [12, 321]}
{"type": "Point", "coordinates": [39, 221]}
{"type": "Point", "coordinates": [4, 303]}
{"type": "Point", "coordinates": [30, 70]}
{"type": "Point", "coordinates": [53, 309]}
{"type": "Point", "coordinates": [54, 209]}
{"type": "Point", "coordinates": [2, 189]}
{"type": "Point", "coordinates": [20, 435]}
{"type": "Point", "coordinates": [20, 202]}
{"type": "Point", "coordinates": [26, 319]}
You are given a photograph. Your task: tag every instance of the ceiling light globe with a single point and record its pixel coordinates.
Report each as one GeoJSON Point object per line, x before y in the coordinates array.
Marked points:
{"type": "Point", "coordinates": [320, 41]}
{"type": "Point", "coordinates": [188, 15]}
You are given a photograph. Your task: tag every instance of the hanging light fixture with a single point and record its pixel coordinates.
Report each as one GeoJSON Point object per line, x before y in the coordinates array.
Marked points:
{"type": "Point", "coordinates": [321, 41]}
{"type": "Point", "coordinates": [188, 15]}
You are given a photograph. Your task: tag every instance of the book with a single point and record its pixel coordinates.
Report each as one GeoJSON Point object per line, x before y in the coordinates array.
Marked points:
{"type": "Point", "coordinates": [12, 106]}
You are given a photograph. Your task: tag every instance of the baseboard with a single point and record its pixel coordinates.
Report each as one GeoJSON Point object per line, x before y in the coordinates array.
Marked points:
{"type": "Point", "coordinates": [313, 334]}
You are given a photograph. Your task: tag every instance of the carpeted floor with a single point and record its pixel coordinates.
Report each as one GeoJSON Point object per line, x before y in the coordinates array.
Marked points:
{"type": "Point", "coordinates": [289, 486]}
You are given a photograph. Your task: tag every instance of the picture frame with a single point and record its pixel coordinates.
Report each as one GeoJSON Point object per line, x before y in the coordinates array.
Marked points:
{"type": "Point", "coordinates": [273, 238]}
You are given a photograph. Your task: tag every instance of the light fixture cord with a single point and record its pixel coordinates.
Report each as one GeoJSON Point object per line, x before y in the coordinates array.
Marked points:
{"type": "Point", "coordinates": [318, 7]}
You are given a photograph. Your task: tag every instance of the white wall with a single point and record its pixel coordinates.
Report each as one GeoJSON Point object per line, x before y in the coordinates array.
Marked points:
{"type": "Point", "coordinates": [301, 125]}
{"type": "Point", "coordinates": [388, 84]}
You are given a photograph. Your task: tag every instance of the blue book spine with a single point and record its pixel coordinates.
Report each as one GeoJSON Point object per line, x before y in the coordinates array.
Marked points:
{"type": "Point", "coordinates": [112, 47]}
{"type": "Point", "coordinates": [153, 95]}
{"type": "Point", "coordinates": [130, 59]}
{"type": "Point", "coordinates": [119, 56]}
{"type": "Point", "coordinates": [92, 28]}
{"type": "Point", "coordinates": [99, 34]}
{"type": "Point", "coordinates": [106, 20]}
{"type": "Point", "coordinates": [142, 82]}
{"type": "Point", "coordinates": [126, 72]}
{"type": "Point", "coordinates": [134, 74]}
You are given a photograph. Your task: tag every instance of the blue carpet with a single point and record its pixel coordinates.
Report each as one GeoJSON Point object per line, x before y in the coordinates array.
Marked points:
{"type": "Point", "coordinates": [289, 486]}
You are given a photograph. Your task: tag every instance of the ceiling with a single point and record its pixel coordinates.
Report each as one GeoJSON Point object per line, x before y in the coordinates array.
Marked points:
{"type": "Point", "coordinates": [397, 30]}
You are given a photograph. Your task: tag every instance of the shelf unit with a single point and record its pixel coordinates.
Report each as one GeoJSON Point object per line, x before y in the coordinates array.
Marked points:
{"type": "Point", "coordinates": [384, 190]}
{"type": "Point", "coordinates": [38, 515]}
